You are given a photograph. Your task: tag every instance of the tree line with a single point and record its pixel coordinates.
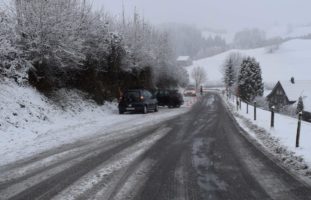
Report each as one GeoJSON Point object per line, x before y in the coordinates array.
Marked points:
{"type": "Point", "coordinates": [55, 44]}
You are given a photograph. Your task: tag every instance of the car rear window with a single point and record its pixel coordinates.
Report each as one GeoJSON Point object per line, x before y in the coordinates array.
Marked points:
{"type": "Point", "coordinates": [132, 95]}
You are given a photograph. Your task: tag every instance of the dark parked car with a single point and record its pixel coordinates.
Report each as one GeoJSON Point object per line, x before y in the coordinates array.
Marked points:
{"type": "Point", "coordinates": [137, 100]}
{"type": "Point", "coordinates": [170, 98]}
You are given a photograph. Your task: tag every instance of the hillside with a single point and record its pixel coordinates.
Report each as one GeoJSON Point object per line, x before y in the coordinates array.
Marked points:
{"type": "Point", "coordinates": [291, 58]}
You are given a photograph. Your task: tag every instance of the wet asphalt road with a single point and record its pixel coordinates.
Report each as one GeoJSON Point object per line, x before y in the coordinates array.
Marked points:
{"type": "Point", "coordinates": [199, 155]}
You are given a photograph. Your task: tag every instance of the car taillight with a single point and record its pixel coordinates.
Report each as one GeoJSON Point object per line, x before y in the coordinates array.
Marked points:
{"type": "Point", "coordinates": [120, 99]}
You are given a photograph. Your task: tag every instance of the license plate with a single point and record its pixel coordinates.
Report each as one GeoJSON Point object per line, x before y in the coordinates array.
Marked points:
{"type": "Point", "coordinates": [130, 108]}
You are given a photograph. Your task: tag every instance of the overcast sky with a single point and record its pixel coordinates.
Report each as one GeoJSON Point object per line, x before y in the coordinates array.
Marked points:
{"type": "Point", "coordinates": [221, 14]}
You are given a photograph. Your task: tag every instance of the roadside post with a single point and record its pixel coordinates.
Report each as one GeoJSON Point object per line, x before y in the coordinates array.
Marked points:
{"type": "Point", "coordinates": [255, 114]}
{"type": "Point", "coordinates": [237, 104]}
{"type": "Point", "coordinates": [240, 103]}
{"type": "Point", "coordinates": [298, 129]}
{"type": "Point", "coordinates": [201, 90]}
{"type": "Point", "coordinates": [272, 116]}
{"type": "Point", "coordinates": [246, 107]}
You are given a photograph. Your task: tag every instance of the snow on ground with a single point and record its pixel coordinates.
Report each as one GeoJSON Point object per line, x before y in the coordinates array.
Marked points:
{"type": "Point", "coordinates": [290, 59]}
{"type": "Point", "coordinates": [280, 140]}
{"type": "Point", "coordinates": [30, 123]}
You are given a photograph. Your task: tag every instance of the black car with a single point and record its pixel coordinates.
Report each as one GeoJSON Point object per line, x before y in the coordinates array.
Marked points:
{"type": "Point", "coordinates": [137, 100]}
{"type": "Point", "coordinates": [170, 98]}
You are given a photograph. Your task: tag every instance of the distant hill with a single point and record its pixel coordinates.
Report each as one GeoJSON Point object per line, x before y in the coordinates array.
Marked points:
{"type": "Point", "coordinates": [288, 31]}
{"type": "Point", "coordinates": [277, 31]}
{"type": "Point", "coordinates": [291, 58]}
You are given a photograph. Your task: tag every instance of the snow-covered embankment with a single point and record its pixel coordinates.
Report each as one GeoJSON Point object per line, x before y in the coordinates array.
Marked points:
{"type": "Point", "coordinates": [30, 123]}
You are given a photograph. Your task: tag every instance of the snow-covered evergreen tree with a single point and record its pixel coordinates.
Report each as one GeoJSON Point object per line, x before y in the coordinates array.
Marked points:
{"type": "Point", "coordinates": [229, 78]}
{"type": "Point", "coordinates": [250, 81]}
{"type": "Point", "coordinates": [231, 69]}
{"type": "Point", "coordinates": [300, 106]}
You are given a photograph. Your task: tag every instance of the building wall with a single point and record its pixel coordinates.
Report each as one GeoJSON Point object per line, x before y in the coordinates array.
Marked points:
{"type": "Point", "coordinates": [306, 116]}
{"type": "Point", "coordinates": [278, 97]}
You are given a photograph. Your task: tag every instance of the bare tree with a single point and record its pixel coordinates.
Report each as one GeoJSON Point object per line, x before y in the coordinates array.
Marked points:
{"type": "Point", "coordinates": [199, 75]}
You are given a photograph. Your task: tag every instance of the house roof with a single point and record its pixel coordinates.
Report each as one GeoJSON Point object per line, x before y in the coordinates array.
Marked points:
{"type": "Point", "coordinates": [183, 58]}
{"type": "Point", "coordinates": [299, 88]}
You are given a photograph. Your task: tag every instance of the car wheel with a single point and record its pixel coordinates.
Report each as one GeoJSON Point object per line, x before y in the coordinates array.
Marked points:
{"type": "Point", "coordinates": [156, 108]}
{"type": "Point", "coordinates": [145, 111]}
{"type": "Point", "coordinates": [121, 112]}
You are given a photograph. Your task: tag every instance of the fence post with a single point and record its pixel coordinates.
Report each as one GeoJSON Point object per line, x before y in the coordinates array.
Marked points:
{"type": "Point", "coordinates": [237, 104]}
{"type": "Point", "coordinates": [298, 129]}
{"type": "Point", "coordinates": [247, 107]}
{"type": "Point", "coordinates": [272, 116]}
{"type": "Point", "coordinates": [255, 114]}
{"type": "Point", "coordinates": [240, 103]}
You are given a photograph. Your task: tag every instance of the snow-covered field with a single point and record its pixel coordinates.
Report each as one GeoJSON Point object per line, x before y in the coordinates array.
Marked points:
{"type": "Point", "coordinates": [281, 139]}
{"type": "Point", "coordinates": [30, 123]}
{"type": "Point", "coordinates": [290, 59]}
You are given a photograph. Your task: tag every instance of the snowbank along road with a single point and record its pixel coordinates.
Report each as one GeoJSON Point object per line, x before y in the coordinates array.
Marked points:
{"type": "Point", "coordinates": [198, 155]}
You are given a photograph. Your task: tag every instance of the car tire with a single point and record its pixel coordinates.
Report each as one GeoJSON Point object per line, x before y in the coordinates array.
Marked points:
{"type": "Point", "coordinates": [145, 110]}
{"type": "Point", "coordinates": [156, 109]}
{"type": "Point", "coordinates": [121, 112]}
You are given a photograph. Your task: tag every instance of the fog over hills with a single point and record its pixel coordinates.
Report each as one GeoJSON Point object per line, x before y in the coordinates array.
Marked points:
{"type": "Point", "coordinates": [228, 15]}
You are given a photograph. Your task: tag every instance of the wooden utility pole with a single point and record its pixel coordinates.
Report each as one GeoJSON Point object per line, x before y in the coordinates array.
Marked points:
{"type": "Point", "coordinates": [298, 129]}
{"type": "Point", "coordinates": [272, 117]}
{"type": "Point", "coordinates": [255, 112]}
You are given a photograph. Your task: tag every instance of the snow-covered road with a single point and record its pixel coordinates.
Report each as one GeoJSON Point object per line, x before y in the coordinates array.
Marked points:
{"type": "Point", "coordinates": [19, 146]}
{"type": "Point", "coordinates": [200, 154]}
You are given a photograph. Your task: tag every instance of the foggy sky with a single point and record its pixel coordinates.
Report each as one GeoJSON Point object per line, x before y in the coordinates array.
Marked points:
{"type": "Point", "coordinates": [220, 14]}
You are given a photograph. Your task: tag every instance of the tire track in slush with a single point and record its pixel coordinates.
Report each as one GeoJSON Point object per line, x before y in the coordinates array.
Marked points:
{"type": "Point", "coordinates": [96, 181]}
{"type": "Point", "coordinates": [52, 185]}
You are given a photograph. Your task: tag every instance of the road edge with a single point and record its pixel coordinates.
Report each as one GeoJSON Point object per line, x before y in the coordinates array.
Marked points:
{"type": "Point", "coordinates": [304, 179]}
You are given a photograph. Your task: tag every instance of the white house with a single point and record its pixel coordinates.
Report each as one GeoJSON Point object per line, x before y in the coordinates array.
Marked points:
{"type": "Point", "coordinates": [184, 61]}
